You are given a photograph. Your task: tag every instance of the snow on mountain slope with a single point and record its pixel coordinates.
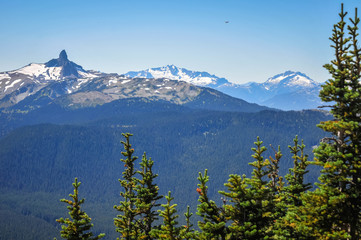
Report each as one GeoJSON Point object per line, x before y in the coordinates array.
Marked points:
{"type": "Point", "coordinates": [18, 84]}
{"type": "Point", "coordinates": [66, 84]}
{"type": "Point", "coordinates": [38, 70]}
{"type": "Point", "coordinates": [287, 91]}
{"type": "Point", "coordinates": [181, 74]}
{"type": "Point", "coordinates": [291, 79]}
{"type": "Point", "coordinates": [291, 87]}
{"type": "Point", "coordinates": [288, 84]}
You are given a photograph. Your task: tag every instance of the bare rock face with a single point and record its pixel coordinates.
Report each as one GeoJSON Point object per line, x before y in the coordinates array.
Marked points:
{"type": "Point", "coordinates": [69, 68]}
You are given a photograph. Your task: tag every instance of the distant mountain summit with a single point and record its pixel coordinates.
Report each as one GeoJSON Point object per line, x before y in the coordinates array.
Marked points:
{"type": "Point", "coordinates": [19, 84]}
{"type": "Point", "coordinates": [290, 79]}
{"type": "Point", "coordinates": [287, 91]}
{"type": "Point", "coordinates": [68, 68]}
{"type": "Point", "coordinates": [172, 72]}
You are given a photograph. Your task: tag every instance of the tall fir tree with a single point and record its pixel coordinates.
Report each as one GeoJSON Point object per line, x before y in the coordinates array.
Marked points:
{"type": "Point", "coordinates": [169, 229]}
{"type": "Point", "coordinates": [295, 178]}
{"type": "Point", "coordinates": [339, 193]}
{"type": "Point", "coordinates": [79, 225]}
{"type": "Point", "coordinates": [126, 222]}
{"type": "Point", "coordinates": [188, 232]}
{"type": "Point", "coordinates": [213, 223]}
{"type": "Point", "coordinates": [147, 197]}
{"type": "Point", "coordinates": [261, 202]}
{"type": "Point", "coordinates": [236, 209]}
{"type": "Point", "coordinates": [287, 226]}
{"type": "Point", "coordinates": [252, 207]}
{"type": "Point", "coordinates": [276, 185]}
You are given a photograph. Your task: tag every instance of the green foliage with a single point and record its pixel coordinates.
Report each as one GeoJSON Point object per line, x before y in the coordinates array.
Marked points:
{"type": "Point", "coordinates": [340, 155]}
{"type": "Point", "coordinates": [79, 225]}
{"type": "Point", "coordinates": [260, 196]}
{"type": "Point", "coordinates": [289, 200]}
{"type": "Point", "coordinates": [188, 232]}
{"type": "Point", "coordinates": [147, 197]}
{"type": "Point", "coordinates": [169, 229]}
{"type": "Point", "coordinates": [213, 223]}
{"type": "Point", "coordinates": [126, 222]}
{"type": "Point", "coordinates": [251, 211]}
{"type": "Point", "coordinates": [140, 197]}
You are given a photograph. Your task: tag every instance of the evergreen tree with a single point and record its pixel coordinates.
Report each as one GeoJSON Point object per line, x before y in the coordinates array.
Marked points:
{"type": "Point", "coordinates": [169, 229]}
{"type": "Point", "coordinates": [295, 178]}
{"type": "Point", "coordinates": [237, 210]}
{"type": "Point", "coordinates": [213, 224]}
{"type": "Point", "coordinates": [288, 225]}
{"type": "Point", "coordinates": [147, 197]}
{"type": "Point", "coordinates": [276, 181]}
{"type": "Point", "coordinates": [79, 225]}
{"type": "Point", "coordinates": [339, 193]}
{"type": "Point", "coordinates": [252, 207]}
{"type": "Point", "coordinates": [261, 205]}
{"type": "Point", "coordinates": [276, 185]}
{"type": "Point", "coordinates": [188, 232]}
{"type": "Point", "coordinates": [126, 222]}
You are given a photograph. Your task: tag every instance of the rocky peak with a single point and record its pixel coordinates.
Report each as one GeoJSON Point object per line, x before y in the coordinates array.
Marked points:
{"type": "Point", "coordinates": [63, 57]}
{"type": "Point", "coordinates": [69, 69]}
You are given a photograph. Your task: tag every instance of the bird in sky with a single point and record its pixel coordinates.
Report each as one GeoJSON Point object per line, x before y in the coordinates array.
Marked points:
{"type": "Point", "coordinates": [226, 21]}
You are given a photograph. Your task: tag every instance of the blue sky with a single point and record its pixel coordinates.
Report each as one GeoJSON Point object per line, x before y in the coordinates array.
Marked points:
{"type": "Point", "coordinates": [263, 37]}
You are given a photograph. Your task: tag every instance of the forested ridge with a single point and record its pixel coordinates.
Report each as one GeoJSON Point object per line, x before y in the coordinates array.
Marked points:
{"type": "Point", "coordinates": [39, 162]}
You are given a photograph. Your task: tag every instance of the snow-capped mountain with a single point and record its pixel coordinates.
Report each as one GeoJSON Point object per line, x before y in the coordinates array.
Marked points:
{"type": "Point", "coordinates": [55, 69]}
{"type": "Point", "coordinates": [65, 83]}
{"type": "Point", "coordinates": [61, 77]}
{"type": "Point", "coordinates": [289, 80]}
{"type": "Point", "coordinates": [288, 91]}
{"type": "Point", "coordinates": [172, 72]}
{"type": "Point", "coordinates": [19, 84]}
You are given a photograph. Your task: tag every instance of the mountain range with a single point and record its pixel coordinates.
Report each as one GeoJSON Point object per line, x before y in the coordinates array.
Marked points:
{"type": "Point", "coordinates": [287, 91]}
{"type": "Point", "coordinates": [62, 82]}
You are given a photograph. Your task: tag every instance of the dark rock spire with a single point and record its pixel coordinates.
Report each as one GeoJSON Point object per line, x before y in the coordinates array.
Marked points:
{"type": "Point", "coordinates": [69, 69]}
{"type": "Point", "coordinates": [63, 56]}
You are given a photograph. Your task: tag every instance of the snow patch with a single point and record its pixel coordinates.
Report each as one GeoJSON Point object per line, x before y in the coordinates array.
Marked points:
{"type": "Point", "coordinates": [81, 81]}
{"type": "Point", "coordinates": [4, 76]}
{"type": "Point", "coordinates": [12, 84]}
{"type": "Point", "coordinates": [112, 81]}
{"type": "Point", "coordinates": [86, 75]}
{"type": "Point", "coordinates": [276, 80]}
{"type": "Point", "coordinates": [300, 81]}
{"type": "Point", "coordinates": [125, 81]}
